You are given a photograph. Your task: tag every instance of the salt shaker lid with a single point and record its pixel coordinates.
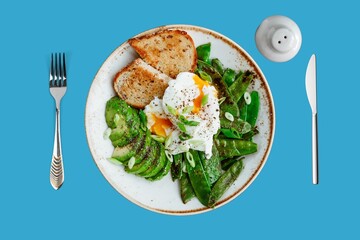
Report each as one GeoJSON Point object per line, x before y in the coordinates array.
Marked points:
{"type": "Point", "coordinates": [278, 38]}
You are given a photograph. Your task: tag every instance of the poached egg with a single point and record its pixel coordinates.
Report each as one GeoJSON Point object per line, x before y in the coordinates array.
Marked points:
{"type": "Point", "coordinates": [187, 116]}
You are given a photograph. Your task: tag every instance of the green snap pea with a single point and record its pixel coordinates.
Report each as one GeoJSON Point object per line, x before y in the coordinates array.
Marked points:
{"type": "Point", "coordinates": [239, 87]}
{"type": "Point", "coordinates": [229, 148]}
{"type": "Point", "coordinates": [229, 76]}
{"type": "Point", "coordinates": [225, 182]}
{"type": "Point", "coordinates": [230, 133]}
{"type": "Point", "coordinates": [186, 190]}
{"type": "Point", "coordinates": [198, 179]}
{"type": "Point", "coordinates": [203, 52]}
{"type": "Point", "coordinates": [176, 167]}
{"type": "Point", "coordinates": [212, 166]}
{"type": "Point", "coordinates": [253, 108]}
{"type": "Point", "coordinates": [243, 109]}
{"type": "Point", "coordinates": [238, 124]}
{"type": "Point", "coordinates": [228, 105]}
{"type": "Point", "coordinates": [203, 75]}
{"type": "Point", "coordinates": [218, 65]}
{"type": "Point", "coordinates": [226, 164]}
{"type": "Point", "coordinates": [209, 69]}
{"type": "Point", "coordinates": [248, 136]}
{"type": "Point", "coordinates": [239, 74]}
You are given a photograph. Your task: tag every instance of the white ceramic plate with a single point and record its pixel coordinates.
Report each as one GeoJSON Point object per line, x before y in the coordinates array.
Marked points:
{"type": "Point", "coordinates": [163, 196]}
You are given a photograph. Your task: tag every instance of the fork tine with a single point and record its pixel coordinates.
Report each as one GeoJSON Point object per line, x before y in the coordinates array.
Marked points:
{"type": "Point", "coordinates": [60, 78]}
{"type": "Point", "coordinates": [51, 78]}
{"type": "Point", "coordinates": [56, 70]}
{"type": "Point", "coordinates": [64, 71]}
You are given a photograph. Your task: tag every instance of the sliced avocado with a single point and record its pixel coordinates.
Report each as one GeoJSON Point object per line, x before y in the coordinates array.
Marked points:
{"type": "Point", "coordinates": [157, 164]}
{"type": "Point", "coordinates": [114, 106]}
{"type": "Point", "coordinates": [147, 160]}
{"type": "Point", "coordinates": [140, 154]}
{"type": "Point", "coordinates": [124, 153]}
{"type": "Point", "coordinates": [122, 138]}
{"type": "Point", "coordinates": [164, 171]}
{"type": "Point", "coordinates": [123, 120]}
{"type": "Point", "coordinates": [122, 135]}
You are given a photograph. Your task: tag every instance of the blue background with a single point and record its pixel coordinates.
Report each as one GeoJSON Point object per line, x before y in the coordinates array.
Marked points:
{"type": "Point", "coordinates": [281, 203]}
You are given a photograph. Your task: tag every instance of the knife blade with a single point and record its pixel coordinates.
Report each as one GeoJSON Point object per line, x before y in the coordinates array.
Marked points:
{"type": "Point", "coordinates": [310, 83]}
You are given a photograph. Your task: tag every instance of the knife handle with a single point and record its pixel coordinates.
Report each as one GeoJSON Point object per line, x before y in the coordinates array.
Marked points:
{"type": "Point", "coordinates": [315, 164]}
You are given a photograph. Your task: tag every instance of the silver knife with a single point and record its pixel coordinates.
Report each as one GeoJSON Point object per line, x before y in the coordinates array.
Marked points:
{"type": "Point", "coordinates": [310, 82]}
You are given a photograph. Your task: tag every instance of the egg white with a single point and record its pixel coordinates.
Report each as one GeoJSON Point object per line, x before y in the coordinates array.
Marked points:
{"type": "Point", "coordinates": [180, 95]}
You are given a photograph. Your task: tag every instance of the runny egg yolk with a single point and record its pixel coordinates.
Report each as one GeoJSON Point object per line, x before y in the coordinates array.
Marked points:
{"type": "Point", "coordinates": [160, 125]}
{"type": "Point", "coordinates": [197, 101]}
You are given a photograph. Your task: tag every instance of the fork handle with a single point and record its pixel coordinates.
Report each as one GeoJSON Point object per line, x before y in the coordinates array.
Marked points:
{"type": "Point", "coordinates": [57, 167]}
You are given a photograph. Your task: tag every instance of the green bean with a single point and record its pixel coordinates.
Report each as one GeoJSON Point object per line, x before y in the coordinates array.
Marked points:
{"type": "Point", "coordinates": [203, 52]}
{"type": "Point", "coordinates": [253, 108]}
{"type": "Point", "coordinates": [218, 65]}
{"type": "Point", "coordinates": [186, 190]}
{"type": "Point", "coordinates": [229, 148]}
{"type": "Point", "coordinates": [239, 87]}
{"type": "Point", "coordinates": [224, 182]}
{"type": "Point", "coordinates": [229, 76]}
{"type": "Point", "coordinates": [198, 179]}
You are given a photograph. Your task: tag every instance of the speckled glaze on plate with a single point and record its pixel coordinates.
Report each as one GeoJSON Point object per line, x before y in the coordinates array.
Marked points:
{"type": "Point", "coordinates": [163, 196]}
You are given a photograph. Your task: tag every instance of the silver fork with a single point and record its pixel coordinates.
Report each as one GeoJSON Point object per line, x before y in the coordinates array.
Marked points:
{"type": "Point", "coordinates": [57, 84]}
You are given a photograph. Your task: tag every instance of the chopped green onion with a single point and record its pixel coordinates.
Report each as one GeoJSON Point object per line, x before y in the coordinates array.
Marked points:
{"type": "Point", "coordinates": [188, 122]}
{"type": "Point", "coordinates": [229, 116]}
{"type": "Point", "coordinates": [169, 156]}
{"type": "Point", "coordinates": [107, 133]}
{"type": "Point", "coordinates": [192, 123]}
{"type": "Point", "coordinates": [247, 98]}
{"type": "Point", "coordinates": [196, 142]}
{"type": "Point", "coordinates": [190, 159]}
{"type": "Point", "coordinates": [205, 100]}
{"type": "Point", "coordinates": [187, 109]}
{"type": "Point", "coordinates": [171, 109]}
{"type": "Point", "coordinates": [184, 136]}
{"type": "Point", "coordinates": [131, 162]}
{"type": "Point", "coordinates": [114, 161]}
{"type": "Point", "coordinates": [183, 148]}
{"type": "Point", "coordinates": [158, 138]}
{"type": "Point", "coordinates": [181, 126]}
{"type": "Point", "coordinates": [168, 141]}
{"type": "Point", "coordinates": [221, 100]}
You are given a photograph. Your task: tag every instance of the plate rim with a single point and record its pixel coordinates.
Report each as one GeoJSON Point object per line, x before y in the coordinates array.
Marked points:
{"type": "Point", "coordinates": [272, 118]}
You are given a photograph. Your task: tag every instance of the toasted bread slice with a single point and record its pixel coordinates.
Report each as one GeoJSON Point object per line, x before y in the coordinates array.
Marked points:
{"type": "Point", "coordinates": [138, 83]}
{"type": "Point", "coordinates": [169, 51]}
